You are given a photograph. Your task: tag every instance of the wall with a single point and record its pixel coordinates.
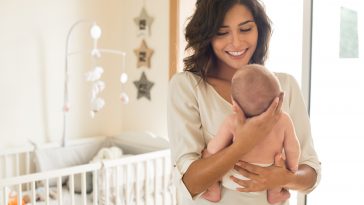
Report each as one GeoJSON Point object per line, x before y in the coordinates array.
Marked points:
{"type": "Point", "coordinates": [143, 114]}
{"type": "Point", "coordinates": [32, 54]}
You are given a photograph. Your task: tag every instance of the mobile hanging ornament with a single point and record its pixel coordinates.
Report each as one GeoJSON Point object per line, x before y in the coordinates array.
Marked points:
{"type": "Point", "coordinates": [144, 23]}
{"type": "Point", "coordinates": [144, 55]}
{"type": "Point", "coordinates": [143, 86]}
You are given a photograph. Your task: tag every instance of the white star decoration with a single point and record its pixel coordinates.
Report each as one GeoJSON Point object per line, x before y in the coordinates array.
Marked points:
{"type": "Point", "coordinates": [144, 21]}
{"type": "Point", "coordinates": [143, 85]}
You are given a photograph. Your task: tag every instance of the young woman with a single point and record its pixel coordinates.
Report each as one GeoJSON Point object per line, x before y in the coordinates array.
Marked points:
{"type": "Point", "coordinates": [224, 35]}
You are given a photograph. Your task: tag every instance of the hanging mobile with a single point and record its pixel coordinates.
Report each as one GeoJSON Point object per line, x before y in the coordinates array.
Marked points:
{"type": "Point", "coordinates": [97, 103]}
{"type": "Point", "coordinates": [124, 98]}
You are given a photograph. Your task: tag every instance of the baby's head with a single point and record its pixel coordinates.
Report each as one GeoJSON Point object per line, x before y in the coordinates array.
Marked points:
{"type": "Point", "coordinates": [254, 88]}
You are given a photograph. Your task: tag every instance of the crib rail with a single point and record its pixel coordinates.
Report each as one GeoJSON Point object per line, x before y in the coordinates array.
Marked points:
{"type": "Point", "coordinates": [148, 181]}
{"type": "Point", "coordinates": [45, 177]}
{"type": "Point", "coordinates": [14, 162]}
{"type": "Point", "coordinates": [159, 161]}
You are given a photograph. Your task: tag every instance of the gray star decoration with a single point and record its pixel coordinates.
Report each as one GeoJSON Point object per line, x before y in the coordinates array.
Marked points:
{"type": "Point", "coordinates": [144, 21]}
{"type": "Point", "coordinates": [143, 86]}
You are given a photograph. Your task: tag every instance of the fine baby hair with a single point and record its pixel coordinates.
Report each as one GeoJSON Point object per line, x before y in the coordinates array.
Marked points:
{"type": "Point", "coordinates": [254, 88]}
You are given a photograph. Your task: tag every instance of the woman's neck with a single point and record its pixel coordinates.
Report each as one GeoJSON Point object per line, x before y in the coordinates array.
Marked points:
{"type": "Point", "coordinates": [223, 72]}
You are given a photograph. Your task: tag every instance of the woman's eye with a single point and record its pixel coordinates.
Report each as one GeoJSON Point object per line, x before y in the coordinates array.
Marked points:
{"type": "Point", "coordinates": [221, 33]}
{"type": "Point", "coordinates": [245, 30]}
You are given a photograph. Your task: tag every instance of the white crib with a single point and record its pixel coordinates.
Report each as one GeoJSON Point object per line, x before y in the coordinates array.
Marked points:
{"type": "Point", "coordinates": [64, 176]}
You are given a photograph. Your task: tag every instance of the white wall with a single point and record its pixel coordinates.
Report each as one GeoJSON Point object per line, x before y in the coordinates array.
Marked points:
{"type": "Point", "coordinates": [143, 114]}
{"type": "Point", "coordinates": [32, 53]}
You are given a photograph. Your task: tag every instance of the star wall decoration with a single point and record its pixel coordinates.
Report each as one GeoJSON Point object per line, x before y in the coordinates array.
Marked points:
{"type": "Point", "coordinates": [143, 54]}
{"type": "Point", "coordinates": [144, 22]}
{"type": "Point", "coordinates": [143, 86]}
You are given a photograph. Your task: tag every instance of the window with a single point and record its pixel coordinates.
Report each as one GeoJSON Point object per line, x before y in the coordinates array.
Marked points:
{"type": "Point", "coordinates": [337, 100]}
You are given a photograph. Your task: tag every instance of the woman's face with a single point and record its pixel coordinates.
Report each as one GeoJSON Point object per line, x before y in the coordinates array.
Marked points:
{"type": "Point", "coordinates": [236, 40]}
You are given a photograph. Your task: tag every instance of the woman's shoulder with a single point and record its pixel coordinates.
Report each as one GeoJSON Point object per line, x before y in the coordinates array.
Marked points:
{"type": "Point", "coordinates": [184, 78]}
{"type": "Point", "coordinates": [288, 82]}
{"type": "Point", "coordinates": [285, 78]}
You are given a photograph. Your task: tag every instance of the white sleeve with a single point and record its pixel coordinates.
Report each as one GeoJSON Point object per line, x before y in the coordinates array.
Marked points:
{"type": "Point", "coordinates": [184, 127]}
{"type": "Point", "coordinates": [299, 115]}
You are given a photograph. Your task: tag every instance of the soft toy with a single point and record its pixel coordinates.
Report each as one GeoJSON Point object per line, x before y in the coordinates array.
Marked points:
{"type": "Point", "coordinates": [13, 198]}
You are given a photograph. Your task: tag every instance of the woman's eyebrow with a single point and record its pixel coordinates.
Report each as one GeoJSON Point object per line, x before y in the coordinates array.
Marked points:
{"type": "Point", "coordinates": [245, 22]}
{"type": "Point", "coordinates": [240, 24]}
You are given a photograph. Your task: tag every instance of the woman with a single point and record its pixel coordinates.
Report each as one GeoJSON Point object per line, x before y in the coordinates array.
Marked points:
{"type": "Point", "coordinates": [224, 35]}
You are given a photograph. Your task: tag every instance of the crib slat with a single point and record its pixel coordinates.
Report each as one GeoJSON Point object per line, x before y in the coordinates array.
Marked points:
{"type": "Point", "coordinates": [17, 167]}
{"type": "Point", "coordinates": [72, 188]}
{"type": "Point", "coordinates": [146, 185]}
{"type": "Point", "coordinates": [46, 186]}
{"type": "Point", "coordinates": [106, 187]}
{"type": "Point", "coordinates": [27, 165]}
{"type": "Point", "coordinates": [95, 185]}
{"type": "Point", "coordinates": [20, 194]}
{"type": "Point", "coordinates": [117, 189]}
{"type": "Point", "coordinates": [6, 167]}
{"type": "Point", "coordinates": [27, 162]}
{"type": "Point", "coordinates": [59, 189]}
{"type": "Point", "coordinates": [127, 184]}
{"type": "Point", "coordinates": [5, 195]}
{"type": "Point", "coordinates": [155, 181]}
{"type": "Point", "coordinates": [164, 182]}
{"type": "Point", "coordinates": [83, 181]}
{"type": "Point", "coordinates": [124, 183]}
{"type": "Point", "coordinates": [137, 176]}
{"type": "Point", "coordinates": [33, 193]}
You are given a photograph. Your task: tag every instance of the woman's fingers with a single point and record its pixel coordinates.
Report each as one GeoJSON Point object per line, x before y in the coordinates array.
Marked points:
{"type": "Point", "coordinates": [246, 173]}
{"type": "Point", "coordinates": [272, 109]}
{"type": "Point", "coordinates": [280, 103]}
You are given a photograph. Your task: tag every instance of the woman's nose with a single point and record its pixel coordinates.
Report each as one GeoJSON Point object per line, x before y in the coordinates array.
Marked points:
{"type": "Point", "coordinates": [235, 39]}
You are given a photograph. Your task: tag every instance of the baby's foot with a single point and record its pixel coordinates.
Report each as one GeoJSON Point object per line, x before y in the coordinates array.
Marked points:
{"type": "Point", "coordinates": [211, 196]}
{"type": "Point", "coordinates": [275, 197]}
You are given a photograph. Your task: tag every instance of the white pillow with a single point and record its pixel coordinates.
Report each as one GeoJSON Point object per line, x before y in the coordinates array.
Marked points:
{"type": "Point", "coordinates": [62, 157]}
{"type": "Point", "coordinates": [138, 142]}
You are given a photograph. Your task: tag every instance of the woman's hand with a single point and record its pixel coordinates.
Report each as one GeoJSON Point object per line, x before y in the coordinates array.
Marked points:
{"type": "Point", "coordinates": [248, 132]}
{"type": "Point", "coordinates": [263, 178]}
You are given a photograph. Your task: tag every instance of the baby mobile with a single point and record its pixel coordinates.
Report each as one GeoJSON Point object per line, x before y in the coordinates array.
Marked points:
{"type": "Point", "coordinates": [94, 75]}
{"type": "Point", "coordinates": [143, 53]}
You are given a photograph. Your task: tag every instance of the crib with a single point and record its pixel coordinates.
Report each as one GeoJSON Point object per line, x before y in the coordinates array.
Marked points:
{"type": "Point", "coordinates": [51, 174]}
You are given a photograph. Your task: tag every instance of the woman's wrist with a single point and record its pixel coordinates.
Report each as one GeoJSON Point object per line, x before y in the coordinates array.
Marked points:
{"type": "Point", "coordinates": [291, 179]}
{"type": "Point", "coordinates": [303, 179]}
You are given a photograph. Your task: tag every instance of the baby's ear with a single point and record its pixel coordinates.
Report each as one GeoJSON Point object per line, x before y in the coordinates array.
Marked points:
{"type": "Point", "coordinates": [236, 107]}
{"type": "Point", "coordinates": [238, 111]}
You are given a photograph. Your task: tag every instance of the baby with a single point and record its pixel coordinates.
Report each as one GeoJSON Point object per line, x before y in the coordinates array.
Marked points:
{"type": "Point", "coordinates": [253, 89]}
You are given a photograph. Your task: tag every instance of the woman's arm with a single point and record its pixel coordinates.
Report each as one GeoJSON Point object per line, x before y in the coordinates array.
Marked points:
{"type": "Point", "coordinates": [202, 173]}
{"type": "Point", "coordinates": [193, 175]}
{"type": "Point", "coordinates": [308, 174]}
{"type": "Point", "coordinates": [277, 175]}
{"type": "Point", "coordinates": [223, 138]}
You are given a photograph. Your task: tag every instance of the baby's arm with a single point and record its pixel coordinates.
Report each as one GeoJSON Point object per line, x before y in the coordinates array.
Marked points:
{"type": "Point", "coordinates": [291, 144]}
{"type": "Point", "coordinates": [223, 137]}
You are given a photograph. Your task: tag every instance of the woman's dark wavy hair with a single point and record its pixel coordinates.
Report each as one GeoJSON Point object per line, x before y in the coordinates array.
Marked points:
{"type": "Point", "coordinates": [205, 23]}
